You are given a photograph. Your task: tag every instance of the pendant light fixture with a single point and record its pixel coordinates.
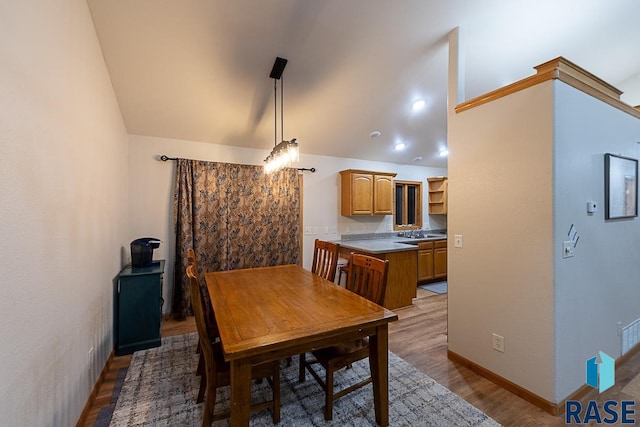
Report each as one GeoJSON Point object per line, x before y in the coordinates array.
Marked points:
{"type": "Point", "coordinates": [285, 152]}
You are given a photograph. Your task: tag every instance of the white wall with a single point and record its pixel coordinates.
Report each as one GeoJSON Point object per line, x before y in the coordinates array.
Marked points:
{"type": "Point", "coordinates": [500, 201]}
{"type": "Point", "coordinates": [151, 192]}
{"type": "Point", "coordinates": [63, 180]}
{"type": "Point", "coordinates": [63, 184]}
{"type": "Point", "coordinates": [631, 90]}
{"type": "Point", "coordinates": [599, 286]}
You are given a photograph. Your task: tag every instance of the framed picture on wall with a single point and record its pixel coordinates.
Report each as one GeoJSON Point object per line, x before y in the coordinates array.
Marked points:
{"type": "Point", "coordinates": [620, 187]}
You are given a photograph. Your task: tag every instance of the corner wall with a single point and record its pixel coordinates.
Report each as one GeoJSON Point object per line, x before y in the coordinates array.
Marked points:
{"type": "Point", "coordinates": [151, 193]}
{"type": "Point", "coordinates": [63, 181]}
{"type": "Point", "coordinates": [521, 172]}
{"type": "Point", "coordinates": [500, 201]}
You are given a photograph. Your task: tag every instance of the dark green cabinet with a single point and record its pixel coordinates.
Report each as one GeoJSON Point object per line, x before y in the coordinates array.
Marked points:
{"type": "Point", "coordinates": [137, 313]}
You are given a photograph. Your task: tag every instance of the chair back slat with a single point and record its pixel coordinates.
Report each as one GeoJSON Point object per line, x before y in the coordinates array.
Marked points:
{"type": "Point", "coordinates": [368, 277]}
{"type": "Point", "coordinates": [191, 259]}
{"type": "Point", "coordinates": [325, 259]}
{"type": "Point", "coordinates": [205, 299]}
{"type": "Point", "coordinates": [198, 310]}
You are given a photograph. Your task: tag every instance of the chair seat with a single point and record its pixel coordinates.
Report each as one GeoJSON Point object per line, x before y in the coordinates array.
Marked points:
{"type": "Point", "coordinates": [223, 368]}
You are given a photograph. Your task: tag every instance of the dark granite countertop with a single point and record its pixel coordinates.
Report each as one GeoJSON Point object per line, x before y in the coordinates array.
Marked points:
{"type": "Point", "coordinates": [388, 244]}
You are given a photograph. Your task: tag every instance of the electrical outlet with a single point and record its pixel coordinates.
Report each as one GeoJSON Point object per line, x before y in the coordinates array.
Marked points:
{"type": "Point", "coordinates": [307, 231]}
{"type": "Point", "coordinates": [498, 342]}
{"type": "Point", "coordinates": [315, 230]}
{"type": "Point", "coordinates": [334, 230]}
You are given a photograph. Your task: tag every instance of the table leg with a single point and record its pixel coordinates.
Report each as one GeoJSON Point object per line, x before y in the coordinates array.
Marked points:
{"type": "Point", "coordinates": [379, 365]}
{"type": "Point", "coordinates": [240, 392]}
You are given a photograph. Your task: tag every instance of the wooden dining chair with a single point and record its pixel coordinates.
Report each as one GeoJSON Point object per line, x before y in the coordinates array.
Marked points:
{"type": "Point", "coordinates": [368, 278]}
{"type": "Point", "coordinates": [325, 259]}
{"type": "Point", "coordinates": [211, 326]}
{"type": "Point", "coordinates": [217, 370]}
{"type": "Point", "coordinates": [325, 264]}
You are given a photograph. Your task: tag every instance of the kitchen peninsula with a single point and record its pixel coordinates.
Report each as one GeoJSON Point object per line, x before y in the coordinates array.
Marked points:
{"type": "Point", "coordinates": [402, 253]}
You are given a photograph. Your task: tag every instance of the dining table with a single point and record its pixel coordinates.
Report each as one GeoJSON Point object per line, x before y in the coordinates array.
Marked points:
{"type": "Point", "coordinates": [271, 313]}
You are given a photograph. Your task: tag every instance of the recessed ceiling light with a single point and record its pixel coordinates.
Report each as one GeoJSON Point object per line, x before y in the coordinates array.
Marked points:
{"type": "Point", "coordinates": [444, 152]}
{"type": "Point", "coordinates": [400, 146]}
{"type": "Point", "coordinates": [418, 105]}
{"type": "Point", "coordinates": [375, 134]}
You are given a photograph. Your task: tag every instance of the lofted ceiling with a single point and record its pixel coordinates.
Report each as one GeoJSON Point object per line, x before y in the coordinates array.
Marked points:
{"type": "Point", "coordinates": [199, 69]}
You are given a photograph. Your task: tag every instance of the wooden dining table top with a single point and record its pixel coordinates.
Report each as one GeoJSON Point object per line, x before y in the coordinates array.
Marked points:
{"type": "Point", "coordinates": [271, 309]}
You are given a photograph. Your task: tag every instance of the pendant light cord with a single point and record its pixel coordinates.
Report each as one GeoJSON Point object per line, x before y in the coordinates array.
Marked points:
{"type": "Point", "coordinates": [282, 107]}
{"type": "Point", "coordinates": [275, 112]}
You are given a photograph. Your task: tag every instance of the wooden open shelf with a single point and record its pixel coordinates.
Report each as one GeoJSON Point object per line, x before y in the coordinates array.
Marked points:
{"type": "Point", "coordinates": [437, 187]}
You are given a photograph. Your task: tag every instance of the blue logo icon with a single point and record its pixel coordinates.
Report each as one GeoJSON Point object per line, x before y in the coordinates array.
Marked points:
{"type": "Point", "coordinates": [601, 377]}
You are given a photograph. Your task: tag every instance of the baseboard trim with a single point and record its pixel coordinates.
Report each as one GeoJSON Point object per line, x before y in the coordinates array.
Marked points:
{"type": "Point", "coordinates": [94, 393]}
{"type": "Point", "coordinates": [556, 409]}
{"type": "Point", "coordinates": [628, 355]}
{"type": "Point", "coordinates": [525, 394]}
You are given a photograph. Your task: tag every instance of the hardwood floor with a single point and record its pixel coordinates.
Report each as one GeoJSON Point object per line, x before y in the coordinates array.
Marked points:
{"type": "Point", "coordinates": [420, 338]}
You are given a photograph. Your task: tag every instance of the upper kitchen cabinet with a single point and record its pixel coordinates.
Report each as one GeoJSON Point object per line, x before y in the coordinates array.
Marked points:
{"type": "Point", "coordinates": [437, 195]}
{"type": "Point", "coordinates": [366, 192]}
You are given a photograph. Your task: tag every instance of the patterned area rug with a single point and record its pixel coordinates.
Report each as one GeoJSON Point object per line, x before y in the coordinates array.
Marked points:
{"type": "Point", "coordinates": [161, 386]}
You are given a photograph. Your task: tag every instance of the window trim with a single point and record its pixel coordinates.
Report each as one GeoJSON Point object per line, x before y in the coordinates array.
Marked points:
{"type": "Point", "coordinates": [419, 207]}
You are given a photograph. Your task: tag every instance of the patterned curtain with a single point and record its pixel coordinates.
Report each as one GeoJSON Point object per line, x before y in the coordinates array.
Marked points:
{"type": "Point", "coordinates": [233, 216]}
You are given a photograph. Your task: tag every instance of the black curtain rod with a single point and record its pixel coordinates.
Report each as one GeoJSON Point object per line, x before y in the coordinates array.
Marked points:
{"type": "Point", "coordinates": [164, 158]}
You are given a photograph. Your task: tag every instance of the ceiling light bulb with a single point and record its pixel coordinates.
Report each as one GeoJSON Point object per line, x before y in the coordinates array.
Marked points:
{"type": "Point", "coordinates": [400, 146]}
{"type": "Point", "coordinates": [444, 152]}
{"type": "Point", "coordinates": [418, 105]}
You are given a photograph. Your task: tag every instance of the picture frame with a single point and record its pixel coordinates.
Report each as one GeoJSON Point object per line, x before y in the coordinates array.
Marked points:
{"type": "Point", "coordinates": [620, 187]}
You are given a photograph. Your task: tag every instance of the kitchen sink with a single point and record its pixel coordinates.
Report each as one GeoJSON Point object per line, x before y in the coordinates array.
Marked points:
{"type": "Point", "coordinates": [427, 238]}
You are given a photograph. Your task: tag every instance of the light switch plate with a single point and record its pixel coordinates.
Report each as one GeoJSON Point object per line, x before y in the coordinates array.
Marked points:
{"type": "Point", "coordinates": [567, 249]}
{"type": "Point", "coordinates": [457, 240]}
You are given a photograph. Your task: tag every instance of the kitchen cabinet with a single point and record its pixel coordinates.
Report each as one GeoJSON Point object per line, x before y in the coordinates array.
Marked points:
{"type": "Point", "coordinates": [437, 195]}
{"type": "Point", "coordinates": [366, 193]}
{"type": "Point", "coordinates": [440, 259]}
{"type": "Point", "coordinates": [137, 313]}
{"type": "Point", "coordinates": [432, 260]}
{"type": "Point", "coordinates": [425, 261]}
